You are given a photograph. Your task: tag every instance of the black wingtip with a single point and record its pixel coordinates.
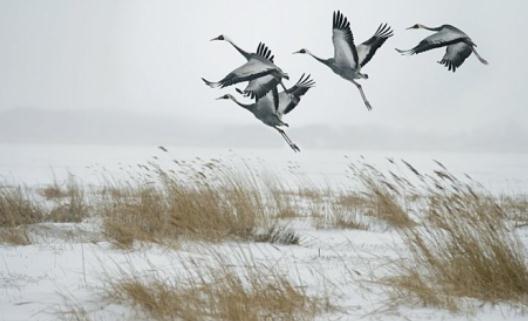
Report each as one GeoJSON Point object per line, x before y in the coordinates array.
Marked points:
{"type": "Point", "coordinates": [339, 20]}
{"type": "Point", "coordinates": [264, 52]}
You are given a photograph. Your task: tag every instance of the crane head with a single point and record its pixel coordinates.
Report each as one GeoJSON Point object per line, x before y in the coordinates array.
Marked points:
{"type": "Point", "coordinates": [416, 26]}
{"type": "Point", "coordinates": [221, 37]}
{"type": "Point", "coordinates": [302, 51]}
{"type": "Point", "coordinates": [227, 96]}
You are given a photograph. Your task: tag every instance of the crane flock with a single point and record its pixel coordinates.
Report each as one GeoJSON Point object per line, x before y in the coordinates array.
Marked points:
{"type": "Point", "coordinates": [264, 76]}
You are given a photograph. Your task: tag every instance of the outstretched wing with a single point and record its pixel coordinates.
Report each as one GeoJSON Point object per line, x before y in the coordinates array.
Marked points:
{"type": "Point", "coordinates": [345, 53]}
{"type": "Point", "coordinates": [436, 40]}
{"type": "Point", "coordinates": [294, 94]}
{"type": "Point", "coordinates": [455, 55]}
{"type": "Point", "coordinates": [302, 86]}
{"type": "Point", "coordinates": [253, 69]}
{"type": "Point", "coordinates": [367, 49]}
{"type": "Point", "coordinates": [259, 87]}
{"type": "Point", "coordinates": [264, 52]}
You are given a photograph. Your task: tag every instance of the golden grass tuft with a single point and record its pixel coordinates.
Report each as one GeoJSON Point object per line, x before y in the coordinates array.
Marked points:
{"type": "Point", "coordinates": [218, 291]}
{"type": "Point", "coordinates": [516, 208]}
{"type": "Point", "coordinates": [135, 213]}
{"type": "Point", "coordinates": [339, 214]}
{"type": "Point", "coordinates": [17, 207]}
{"type": "Point", "coordinates": [69, 202]}
{"type": "Point", "coordinates": [14, 235]}
{"type": "Point", "coordinates": [214, 203]}
{"type": "Point", "coordinates": [382, 198]}
{"type": "Point", "coordinates": [51, 192]}
{"type": "Point", "coordinates": [465, 249]}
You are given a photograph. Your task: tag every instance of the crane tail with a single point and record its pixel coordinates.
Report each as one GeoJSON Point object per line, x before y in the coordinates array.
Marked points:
{"type": "Point", "coordinates": [210, 83]}
{"type": "Point", "coordinates": [482, 60]}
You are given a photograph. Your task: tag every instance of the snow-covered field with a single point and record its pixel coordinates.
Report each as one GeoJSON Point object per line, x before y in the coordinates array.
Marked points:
{"type": "Point", "coordinates": [67, 265]}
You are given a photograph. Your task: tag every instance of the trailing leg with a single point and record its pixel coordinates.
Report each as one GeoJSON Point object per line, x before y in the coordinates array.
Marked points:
{"type": "Point", "coordinates": [365, 100]}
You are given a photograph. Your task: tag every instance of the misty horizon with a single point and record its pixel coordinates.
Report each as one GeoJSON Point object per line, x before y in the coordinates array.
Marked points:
{"type": "Point", "coordinates": [139, 65]}
{"type": "Point", "coordinates": [93, 126]}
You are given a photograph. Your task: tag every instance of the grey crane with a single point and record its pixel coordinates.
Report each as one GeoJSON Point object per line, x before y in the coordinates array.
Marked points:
{"type": "Point", "coordinates": [459, 45]}
{"type": "Point", "coordinates": [260, 70]}
{"type": "Point", "coordinates": [349, 59]}
{"type": "Point", "coordinates": [267, 111]}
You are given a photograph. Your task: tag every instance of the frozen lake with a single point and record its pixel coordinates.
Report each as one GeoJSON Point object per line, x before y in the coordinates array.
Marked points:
{"type": "Point", "coordinates": [36, 164]}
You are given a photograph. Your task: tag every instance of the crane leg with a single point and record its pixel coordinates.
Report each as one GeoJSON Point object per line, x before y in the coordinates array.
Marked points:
{"type": "Point", "coordinates": [365, 100]}
{"type": "Point", "coordinates": [283, 87]}
{"type": "Point", "coordinates": [482, 60]}
{"type": "Point", "coordinates": [288, 140]}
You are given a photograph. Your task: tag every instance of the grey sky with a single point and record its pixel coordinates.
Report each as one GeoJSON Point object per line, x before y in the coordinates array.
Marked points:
{"type": "Point", "coordinates": [148, 57]}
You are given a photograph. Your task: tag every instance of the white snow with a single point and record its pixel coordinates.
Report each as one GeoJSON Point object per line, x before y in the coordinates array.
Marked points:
{"type": "Point", "coordinates": [67, 264]}
{"type": "Point", "coordinates": [40, 280]}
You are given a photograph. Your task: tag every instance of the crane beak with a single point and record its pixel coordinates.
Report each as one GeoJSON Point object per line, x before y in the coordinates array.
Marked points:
{"type": "Point", "coordinates": [216, 38]}
{"type": "Point", "coordinates": [296, 52]}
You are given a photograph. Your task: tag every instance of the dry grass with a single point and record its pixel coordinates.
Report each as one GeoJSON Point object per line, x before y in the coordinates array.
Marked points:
{"type": "Point", "coordinates": [69, 202]}
{"type": "Point", "coordinates": [218, 291]}
{"type": "Point", "coordinates": [381, 197]}
{"type": "Point", "coordinates": [465, 249]}
{"type": "Point", "coordinates": [14, 235]}
{"type": "Point", "coordinates": [51, 192]}
{"type": "Point", "coordinates": [136, 213]}
{"type": "Point", "coordinates": [277, 234]}
{"type": "Point", "coordinates": [74, 314]}
{"type": "Point", "coordinates": [211, 202]}
{"type": "Point", "coordinates": [283, 203]}
{"type": "Point", "coordinates": [516, 208]}
{"type": "Point", "coordinates": [18, 208]}
{"type": "Point", "coordinates": [339, 215]}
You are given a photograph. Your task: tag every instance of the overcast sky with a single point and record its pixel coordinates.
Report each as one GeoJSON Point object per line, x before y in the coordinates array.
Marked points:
{"type": "Point", "coordinates": [148, 57]}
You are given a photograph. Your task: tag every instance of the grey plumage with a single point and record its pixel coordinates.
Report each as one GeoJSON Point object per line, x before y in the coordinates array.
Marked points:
{"type": "Point", "coordinates": [290, 97]}
{"type": "Point", "coordinates": [271, 114]}
{"type": "Point", "coordinates": [259, 70]}
{"type": "Point", "coordinates": [459, 45]}
{"type": "Point", "coordinates": [349, 59]}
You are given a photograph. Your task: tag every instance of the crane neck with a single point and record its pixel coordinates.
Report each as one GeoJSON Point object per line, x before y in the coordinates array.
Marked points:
{"type": "Point", "coordinates": [242, 52]}
{"type": "Point", "coordinates": [431, 28]}
{"type": "Point", "coordinates": [321, 60]}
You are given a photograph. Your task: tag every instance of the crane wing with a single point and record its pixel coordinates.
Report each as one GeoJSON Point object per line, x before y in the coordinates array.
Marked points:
{"type": "Point", "coordinates": [253, 69]}
{"type": "Point", "coordinates": [259, 87]}
{"type": "Point", "coordinates": [367, 49]}
{"type": "Point", "coordinates": [302, 86]}
{"type": "Point", "coordinates": [439, 39]}
{"type": "Point", "coordinates": [345, 53]}
{"type": "Point", "coordinates": [264, 52]}
{"type": "Point", "coordinates": [294, 94]}
{"type": "Point", "coordinates": [455, 55]}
